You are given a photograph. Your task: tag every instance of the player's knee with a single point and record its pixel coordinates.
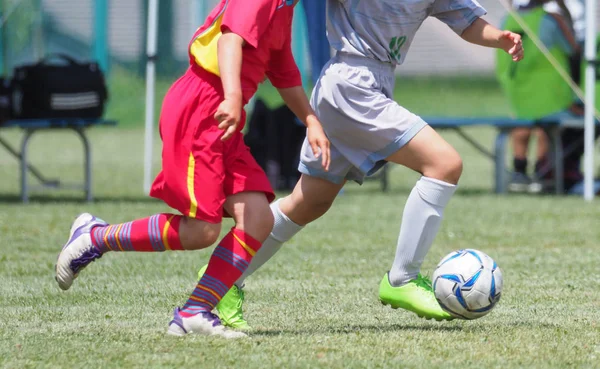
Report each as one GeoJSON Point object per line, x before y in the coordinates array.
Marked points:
{"type": "Point", "coordinates": [258, 223]}
{"type": "Point", "coordinates": [448, 168]}
{"type": "Point", "coordinates": [256, 219]}
{"type": "Point", "coordinates": [196, 234]}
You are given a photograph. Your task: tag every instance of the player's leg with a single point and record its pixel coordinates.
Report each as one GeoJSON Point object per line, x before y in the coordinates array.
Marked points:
{"type": "Point", "coordinates": [229, 260]}
{"type": "Point", "coordinates": [310, 199]}
{"type": "Point", "coordinates": [542, 154]}
{"type": "Point", "coordinates": [520, 181]}
{"type": "Point", "coordinates": [248, 194]}
{"type": "Point", "coordinates": [91, 237]}
{"type": "Point", "coordinates": [429, 154]}
{"type": "Point", "coordinates": [185, 164]}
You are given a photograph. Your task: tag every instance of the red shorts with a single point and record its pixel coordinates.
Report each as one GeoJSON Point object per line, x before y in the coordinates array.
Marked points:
{"type": "Point", "coordinates": [199, 171]}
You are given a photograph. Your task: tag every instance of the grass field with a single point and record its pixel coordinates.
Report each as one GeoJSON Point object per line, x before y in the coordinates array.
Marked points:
{"type": "Point", "coordinates": [315, 305]}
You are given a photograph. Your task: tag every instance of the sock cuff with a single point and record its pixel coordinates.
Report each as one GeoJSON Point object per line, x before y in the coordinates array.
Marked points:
{"type": "Point", "coordinates": [435, 191]}
{"type": "Point", "coordinates": [284, 228]}
{"type": "Point", "coordinates": [249, 243]}
{"type": "Point", "coordinates": [170, 232]}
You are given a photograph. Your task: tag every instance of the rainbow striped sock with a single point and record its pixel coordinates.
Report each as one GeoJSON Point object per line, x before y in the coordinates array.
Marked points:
{"type": "Point", "coordinates": [227, 263]}
{"type": "Point", "coordinates": [157, 233]}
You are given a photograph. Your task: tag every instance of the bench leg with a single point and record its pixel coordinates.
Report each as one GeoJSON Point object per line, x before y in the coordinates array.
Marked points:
{"type": "Point", "coordinates": [384, 178]}
{"type": "Point", "coordinates": [500, 162]}
{"type": "Point", "coordinates": [557, 151]}
{"type": "Point", "coordinates": [87, 165]}
{"type": "Point", "coordinates": [24, 165]}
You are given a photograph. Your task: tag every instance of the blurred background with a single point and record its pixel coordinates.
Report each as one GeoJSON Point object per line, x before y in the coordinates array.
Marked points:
{"type": "Point", "coordinates": [34, 28]}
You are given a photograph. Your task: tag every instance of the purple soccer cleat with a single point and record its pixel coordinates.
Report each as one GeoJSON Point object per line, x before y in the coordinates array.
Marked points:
{"type": "Point", "coordinates": [78, 252]}
{"type": "Point", "coordinates": [204, 323]}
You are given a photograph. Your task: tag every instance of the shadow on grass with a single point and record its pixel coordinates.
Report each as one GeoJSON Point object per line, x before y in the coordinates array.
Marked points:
{"type": "Point", "coordinates": [48, 199]}
{"type": "Point", "coordinates": [383, 328]}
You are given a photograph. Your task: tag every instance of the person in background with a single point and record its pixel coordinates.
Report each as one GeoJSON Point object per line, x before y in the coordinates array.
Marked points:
{"type": "Point", "coordinates": [534, 87]}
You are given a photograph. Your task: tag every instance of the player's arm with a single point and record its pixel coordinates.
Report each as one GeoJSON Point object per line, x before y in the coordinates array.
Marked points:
{"type": "Point", "coordinates": [295, 98]}
{"type": "Point", "coordinates": [482, 33]}
{"type": "Point", "coordinates": [229, 50]}
{"type": "Point", "coordinates": [244, 22]}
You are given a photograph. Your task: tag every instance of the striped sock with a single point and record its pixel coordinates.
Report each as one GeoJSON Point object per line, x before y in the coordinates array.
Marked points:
{"type": "Point", "coordinates": [227, 263]}
{"type": "Point", "coordinates": [157, 233]}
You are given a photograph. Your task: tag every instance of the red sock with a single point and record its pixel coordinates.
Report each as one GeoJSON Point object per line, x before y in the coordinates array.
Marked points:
{"type": "Point", "coordinates": [229, 261]}
{"type": "Point", "coordinates": [157, 233]}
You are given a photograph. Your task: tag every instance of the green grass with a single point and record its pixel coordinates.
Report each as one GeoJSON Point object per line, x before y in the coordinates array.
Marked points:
{"type": "Point", "coordinates": [315, 305]}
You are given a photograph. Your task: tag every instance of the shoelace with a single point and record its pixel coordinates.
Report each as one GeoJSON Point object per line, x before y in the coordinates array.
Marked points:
{"type": "Point", "coordinates": [211, 318]}
{"type": "Point", "coordinates": [240, 296]}
{"type": "Point", "coordinates": [87, 257]}
{"type": "Point", "coordinates": [424, 282]}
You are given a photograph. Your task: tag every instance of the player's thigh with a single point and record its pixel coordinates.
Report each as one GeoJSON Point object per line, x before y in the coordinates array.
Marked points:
{"type": "Point", "coordinates": [429, 154]}
{"type": "Point", "coordinates": [312, 197]}
{"type": "Point", "coordinates": [251, 213]}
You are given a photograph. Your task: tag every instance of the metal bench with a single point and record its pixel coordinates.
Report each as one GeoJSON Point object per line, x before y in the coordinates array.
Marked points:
{"type": "Point", "coordinates": [32, 126]}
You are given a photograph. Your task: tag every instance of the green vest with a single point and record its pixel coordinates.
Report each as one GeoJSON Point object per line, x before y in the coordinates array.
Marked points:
{"type": "Point", "coordinates": [583, 67]}
{"type": "Point", "coordinates": [534, 88]}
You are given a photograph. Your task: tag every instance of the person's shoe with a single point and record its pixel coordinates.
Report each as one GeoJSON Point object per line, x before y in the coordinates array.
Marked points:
{"type": "Point", "coordinates": [519, 182]}
{"type": "Point", "coordinates": [78, 252]}
{"type": "Point", "coordinates": [417, 296]}
{"type": "Point", "coordinates": [229, 309]}
{"type": "Point", "coordinates": [204, 323]}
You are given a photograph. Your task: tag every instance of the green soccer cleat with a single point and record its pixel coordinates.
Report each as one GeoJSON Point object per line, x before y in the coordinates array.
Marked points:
{"type": "Point", "coordinates": [229, 309]}
{"type": "Point", "coordinates": [416, 296]}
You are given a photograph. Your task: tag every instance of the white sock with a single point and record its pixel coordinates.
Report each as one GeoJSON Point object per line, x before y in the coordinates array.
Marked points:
{"type": "Point", "coordinates": [283, 229]}
{"type": "Point", "coordinates": [420, 224]}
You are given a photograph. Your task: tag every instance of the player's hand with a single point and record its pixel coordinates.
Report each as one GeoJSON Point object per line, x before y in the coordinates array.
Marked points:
{"type": "Point", "coordinates": [228, 115]}
{"type": "Point", "coordinates": [319, 143]}
{"type": "Point", "coordinates": [512, 44]}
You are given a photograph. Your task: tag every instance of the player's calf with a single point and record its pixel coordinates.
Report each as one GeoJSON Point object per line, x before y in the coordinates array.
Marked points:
{"type": "Point", "coordinates": [312, 197]}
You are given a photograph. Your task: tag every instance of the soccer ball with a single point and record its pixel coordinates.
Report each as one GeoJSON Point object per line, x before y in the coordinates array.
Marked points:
{"type": "Point", "coordinates": [467, 284]}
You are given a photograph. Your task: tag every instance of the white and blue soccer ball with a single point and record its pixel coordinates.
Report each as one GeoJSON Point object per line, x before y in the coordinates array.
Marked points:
{"type": "Point", "coordinates": [467, 283]}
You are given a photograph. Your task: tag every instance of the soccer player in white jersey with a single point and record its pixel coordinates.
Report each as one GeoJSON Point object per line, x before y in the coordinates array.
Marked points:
{"type": "Point", "coordinates": [367, 129]}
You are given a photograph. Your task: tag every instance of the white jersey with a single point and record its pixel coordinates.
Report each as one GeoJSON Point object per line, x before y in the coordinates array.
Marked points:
{"type": "Point", "coordinates": [384, 29]}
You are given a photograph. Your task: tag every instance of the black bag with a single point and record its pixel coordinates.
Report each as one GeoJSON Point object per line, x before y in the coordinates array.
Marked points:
{"type": "Point", "coordinates": [49, 90]}
{"type": "Point", "coordinates": [275, 138]}
{"type": "Point", "coordinates": [5, 100]}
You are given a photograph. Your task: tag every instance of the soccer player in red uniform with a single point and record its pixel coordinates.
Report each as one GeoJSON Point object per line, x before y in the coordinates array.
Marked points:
{"type": "Point", "coordinates": [207, 170]}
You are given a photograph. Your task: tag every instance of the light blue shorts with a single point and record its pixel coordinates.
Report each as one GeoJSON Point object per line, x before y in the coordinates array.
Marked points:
{"type": "Point", "coordinates": [354, 102]}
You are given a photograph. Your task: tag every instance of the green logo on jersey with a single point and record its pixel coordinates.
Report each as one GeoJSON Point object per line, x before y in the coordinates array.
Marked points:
{"type": "Point", "coordinates": [395, 46]}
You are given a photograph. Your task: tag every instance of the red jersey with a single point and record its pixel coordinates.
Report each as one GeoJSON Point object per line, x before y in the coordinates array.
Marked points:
{"type": "Point", "coordinates": [266, 26]}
